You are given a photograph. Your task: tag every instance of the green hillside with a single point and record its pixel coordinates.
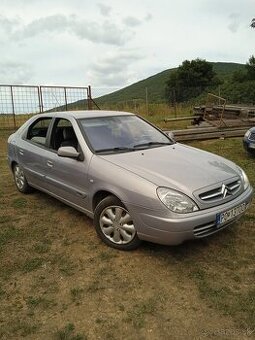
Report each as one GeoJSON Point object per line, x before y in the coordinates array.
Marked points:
{"type": "Point", "coordinates": [224, 70]}
{"type": "Point", "coordinates": [156, 85]}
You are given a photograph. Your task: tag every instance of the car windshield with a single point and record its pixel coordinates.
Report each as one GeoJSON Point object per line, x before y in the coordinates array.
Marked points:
{"type": "Point", "coordinates": [122, 134]}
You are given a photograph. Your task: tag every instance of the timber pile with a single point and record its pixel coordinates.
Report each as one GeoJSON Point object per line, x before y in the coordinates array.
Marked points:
{"type": "Point", "coordinates": [208, 133]}
{"type": "Point", "coordinates": [228, 111]}
{"type": "Point", "coordinates": [215, 121]}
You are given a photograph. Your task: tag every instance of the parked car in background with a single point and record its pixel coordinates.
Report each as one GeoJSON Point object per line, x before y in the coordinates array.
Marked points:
{"type": "Point", "coordinates": [249, 140]}
{"type": "Point", "coordinates": [134, 180]}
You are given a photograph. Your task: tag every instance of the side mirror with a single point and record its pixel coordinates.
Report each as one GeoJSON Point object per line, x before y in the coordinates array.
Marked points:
{"type": "Point", "coordinates": [68, 151]}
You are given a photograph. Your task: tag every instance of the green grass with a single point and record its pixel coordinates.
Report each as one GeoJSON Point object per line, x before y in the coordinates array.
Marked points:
{"type": "Point", "coordinates": [58, 281]}
{"type": "Point", "coordinates": [39, 302]}
{"type": "Point", "coordinates": [67, 333]}
{"type": "Point", "coordinates": [8, 123]}
{"type": "Point", "coordinates": [76, 294]}
{"type": "Point", "coordinates": [137, 314]}
{"type": "Point", "coordinates": [232, 291]}
{"type": "Point", "coordinates": [19, 203]}
{"type": "Point", "coordinates": [21, 328]}
{"type": "Point", "coordinates": [8, 233]}
{"type": "Point", "coordinates": [66, 267]}
{"type": "Point", "coordinates": [32, 264]}
{"type": "Point", "coordinates": [42, 246]}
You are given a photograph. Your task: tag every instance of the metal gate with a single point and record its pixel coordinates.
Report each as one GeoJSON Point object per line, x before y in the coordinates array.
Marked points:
{"type": "Point", "coordinates": [19, 102]}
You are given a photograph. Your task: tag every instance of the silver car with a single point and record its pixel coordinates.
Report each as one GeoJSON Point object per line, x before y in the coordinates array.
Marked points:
{"type": "Point", "coordinates": [130, 177]}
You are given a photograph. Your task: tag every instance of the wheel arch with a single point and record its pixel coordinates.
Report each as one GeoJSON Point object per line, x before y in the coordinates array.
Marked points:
{"type": "Point", "coordinates": [13, 163]}
{"type": "Point", "coordinates": [100, 195]}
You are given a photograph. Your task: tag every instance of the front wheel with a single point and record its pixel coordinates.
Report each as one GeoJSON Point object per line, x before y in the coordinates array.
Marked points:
{"type": "Point", "coordinates": [114, 225]}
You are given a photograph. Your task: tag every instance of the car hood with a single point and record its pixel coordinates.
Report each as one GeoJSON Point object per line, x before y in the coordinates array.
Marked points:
{"type": "Point", "coordinates": [177, 166]}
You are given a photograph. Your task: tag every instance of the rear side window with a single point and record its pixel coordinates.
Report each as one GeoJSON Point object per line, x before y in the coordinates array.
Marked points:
{"type": "Point", "coordinates": [37, 132]}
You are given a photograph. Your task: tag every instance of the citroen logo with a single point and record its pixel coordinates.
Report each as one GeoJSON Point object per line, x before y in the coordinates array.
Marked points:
{"type": "Point", "coordinates": [224, 190]}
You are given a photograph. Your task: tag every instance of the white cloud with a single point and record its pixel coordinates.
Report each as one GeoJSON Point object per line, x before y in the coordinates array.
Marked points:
{"type": "Point", "coordinates": [107, 32]}
{"type": "Point", "coordinates": [234, 23]}
{"type": "Point", "coordinates": [15, 73]}
{"type": "Point", "coordinates": [104, 9]}
{"type": "Point", "coordinates": [80, 41]}
{"type": "Point", "coordinates": [131, 21]}
{"type": "Point", "coordinates": [7, 24]}
{"type": "Point", "coordinates": [104, 32]}
{"type": "Point", "coordinates": [148, 17]}
{"type": "Point", "coordinates": [114, 69]}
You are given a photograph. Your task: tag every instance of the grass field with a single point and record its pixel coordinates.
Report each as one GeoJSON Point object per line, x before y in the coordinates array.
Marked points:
{"type": "Point", "coordinates": [58, 281]}
{"type": "Point", "coordinates": [156, 113]}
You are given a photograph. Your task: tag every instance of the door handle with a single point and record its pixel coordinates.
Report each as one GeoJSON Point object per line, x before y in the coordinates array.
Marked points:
{"type": "Point", "coordinates": [49, 164]}
{"type": "Point", "coordinates": [21, 152]}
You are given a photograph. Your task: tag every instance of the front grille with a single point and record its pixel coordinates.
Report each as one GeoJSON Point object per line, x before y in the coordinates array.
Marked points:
{"type": "Point", "coordinates": [208, 229]}
{"type": "Point", "coordinates": [252, 136]}
{"type": "Point", "coordinates": [221, 192]}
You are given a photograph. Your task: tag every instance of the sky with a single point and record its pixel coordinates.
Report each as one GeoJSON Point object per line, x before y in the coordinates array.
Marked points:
{"type": "Point", "coordinates": [110, 44]}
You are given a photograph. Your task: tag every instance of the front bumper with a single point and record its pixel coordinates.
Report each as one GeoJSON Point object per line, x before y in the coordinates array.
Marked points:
{"type": "Point", "coordinates": [160, 227]}
{"type": "Point", "coordinates": [249, 145]}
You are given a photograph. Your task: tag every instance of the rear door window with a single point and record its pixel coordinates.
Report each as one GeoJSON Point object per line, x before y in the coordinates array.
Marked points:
{"type": "Point", "coordinates": [37, 132]}
{"type": "Point", "coordinates": [63, 135]}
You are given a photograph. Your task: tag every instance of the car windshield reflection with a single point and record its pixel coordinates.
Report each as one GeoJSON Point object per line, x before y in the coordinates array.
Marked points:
{"type": "Point", "coordinates": [122, 134]}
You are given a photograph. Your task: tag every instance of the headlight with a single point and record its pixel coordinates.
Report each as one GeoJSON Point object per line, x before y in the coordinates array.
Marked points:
{"type": "Point", "coordinates": [247, 134]}
{"type": "Point", "coordinates": [176, 201]}
{"type": "Point", "coordinates": [244, 179]}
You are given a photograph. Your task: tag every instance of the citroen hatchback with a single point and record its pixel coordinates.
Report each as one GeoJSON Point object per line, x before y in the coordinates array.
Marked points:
{"type": "Point", "coordinates": [130, 177]}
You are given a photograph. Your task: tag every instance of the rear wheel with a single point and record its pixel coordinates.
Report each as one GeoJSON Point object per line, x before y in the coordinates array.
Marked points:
{"type": "Point", "coordinates": [20, 180]}
{"type": "Point", "coordinates": [114, 224]}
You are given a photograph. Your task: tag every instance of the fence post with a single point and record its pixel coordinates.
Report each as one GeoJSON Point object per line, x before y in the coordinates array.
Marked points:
{"type": "Point", "coordinates": [65, 98]}
{"type": "Point", "coordinates": [89, 98]}
{"type": "Point", "coordinates": [13, 108]}
{"type": "Point", "coordinates": [41, 98]}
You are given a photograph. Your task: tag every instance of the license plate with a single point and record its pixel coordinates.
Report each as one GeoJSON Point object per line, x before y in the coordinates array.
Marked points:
{"type": "Point", "coordinates": [252, 145]}
{"type": "Point", "coordinates": [230, 214]}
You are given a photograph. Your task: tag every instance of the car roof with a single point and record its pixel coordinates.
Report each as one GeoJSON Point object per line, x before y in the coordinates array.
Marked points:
{"type": "Point", "coordinates": [85, 114]}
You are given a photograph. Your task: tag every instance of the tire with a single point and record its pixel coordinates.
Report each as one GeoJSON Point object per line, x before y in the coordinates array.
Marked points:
{"type": "Point", "coordinates": [20, 180]}
{"type": "Point", "coordinates": [114, 225]}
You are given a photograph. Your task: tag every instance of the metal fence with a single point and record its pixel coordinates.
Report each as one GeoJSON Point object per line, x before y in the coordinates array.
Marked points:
{"type": "Point", "coordinates": [19, 102]}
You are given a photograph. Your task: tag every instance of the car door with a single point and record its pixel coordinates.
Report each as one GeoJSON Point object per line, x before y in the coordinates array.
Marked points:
{"type": "Point", "coordinates": [32, 151]}
{"type": "Point", "coordinates": [67, 178]}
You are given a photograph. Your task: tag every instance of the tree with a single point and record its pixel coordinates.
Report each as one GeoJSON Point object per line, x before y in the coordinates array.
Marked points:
{"type": "Point", "coordinates": [239, 76]}
{"type": "Point", "coordinates": [190, 80]}
{"type": "Point", "coordinates": [250, 67]}
{"type": "Point", "coordinates": [241, 88]}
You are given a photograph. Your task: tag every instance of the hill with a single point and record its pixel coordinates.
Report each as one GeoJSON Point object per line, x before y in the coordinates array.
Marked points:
{"type": "Point", "coordinates": [156, 85]}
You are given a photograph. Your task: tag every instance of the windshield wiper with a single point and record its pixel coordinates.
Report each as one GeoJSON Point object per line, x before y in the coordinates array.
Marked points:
{"type": "Point", "coordinates": [116, 149]}
{"type": "Point", "coordinates": [151, 144]}
{"type": "Point", "coordinates": [135, 147]}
